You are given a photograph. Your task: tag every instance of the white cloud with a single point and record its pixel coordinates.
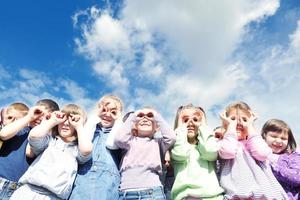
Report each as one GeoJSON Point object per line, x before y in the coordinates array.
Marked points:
{"type": "Point", "coordinates": [187, 51]}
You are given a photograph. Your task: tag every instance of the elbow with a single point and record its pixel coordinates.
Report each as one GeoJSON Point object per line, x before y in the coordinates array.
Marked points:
{"type": "Point", "coordinates": [228, 153]}
{"type": "Point", "coordinates": [262, 155]}
{"type": "Point", "coordinates": [87, 150]}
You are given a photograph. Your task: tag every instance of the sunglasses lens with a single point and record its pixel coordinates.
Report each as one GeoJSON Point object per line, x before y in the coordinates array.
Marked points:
{"type": "Point", "coordinates": [141, 115]}
{"type": "Point", "coordinates": [150, 115]}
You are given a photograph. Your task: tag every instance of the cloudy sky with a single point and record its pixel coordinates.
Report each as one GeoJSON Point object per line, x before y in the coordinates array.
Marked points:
{"type": "Point", "coordinates": [159, 53]}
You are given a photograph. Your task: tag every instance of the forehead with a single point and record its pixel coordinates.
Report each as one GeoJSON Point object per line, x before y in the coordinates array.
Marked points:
{"type": "Point", "coordinates": [110, 103]}
{"type": "Point", "coordinates": [282, 133]}
{"type": "Point", "coordinates": [190, 112]}
{"type": "Point", "coordinates": [235, 111]}
{"type": "Point", "coordinates": [146, 110]}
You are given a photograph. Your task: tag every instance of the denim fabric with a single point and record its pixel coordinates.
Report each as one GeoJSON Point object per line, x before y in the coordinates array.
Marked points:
{"type": "Point", "coordinates": [155, 193]}
{"type": "Point", "coordinates": [7, 188]}
{"type": "Point", "coordinates": [98, 178]}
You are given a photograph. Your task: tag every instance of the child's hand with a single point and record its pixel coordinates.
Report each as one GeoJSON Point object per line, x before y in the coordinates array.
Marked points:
{"type": "Point", "coordinates": [56, 118]}
{"type": "Point", "coordinates": [35, 112]}
{"type": "Point", "coordinates": [76, 121]}
{"type": "Point", "coordinates": [229, 122]}
{"type": "Point", "coordinates": [248, 123]}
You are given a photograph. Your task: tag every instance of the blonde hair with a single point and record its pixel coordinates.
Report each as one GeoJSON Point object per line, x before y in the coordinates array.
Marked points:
{"type": "Point", "coordinates": [188, 106]}
{"type": "Point", "coordinates": [112, 97]}
{"type": "Point", "coordinates": [279, 126]}
{"type": "Point", "coordinates": [20, 107]}
{"type": "Point", "coordinates": [73, 109]}
{"type": "Point", "coordinates": [240, 105]}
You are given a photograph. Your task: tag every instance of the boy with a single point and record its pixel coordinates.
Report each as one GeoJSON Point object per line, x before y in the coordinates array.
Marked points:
{"type": "Point", "coordinates": [13, 112]}
{"type": "Point", "coordinates": [99, 177]}
{"type": "Point", "coordinates": [13, 161]}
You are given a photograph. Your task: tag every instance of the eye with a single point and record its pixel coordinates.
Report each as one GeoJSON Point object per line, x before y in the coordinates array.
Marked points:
{"type": "Point", "coordinates": [150, 115]}
{"type": "Point", "coordinates": [232, 118]}
{"type": "Point", "coordinates": [185, 120]}
{"type": "Point", "coordinates": [195, 119]}
{"type": "Point", "coordinates": [141, 115]}
{"type": "Point", "coordinates": [103, 109]}
{"type": "Point", "coordinates": [244, 119]}
{"type": "Point", "coordinates": [114, 112]}
{"type": "Point", "coordinates": [9, 117]}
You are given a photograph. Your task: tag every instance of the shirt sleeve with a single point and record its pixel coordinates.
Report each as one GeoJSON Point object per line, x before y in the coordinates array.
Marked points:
{"type": "Point", "coordinates": [258, 148]}
{"type": "Point", "coordinates": [207, 145]}
{"type": "Point", "coordinates": [38, 145]}
{"type": "Point", "coordinates": [287, 169]}
{"type": "Point", "coordinates": [124, 135]}
{"type": "Point", "coordinates": [228, 146]}
{"type": "Point", "coordinates": [81, 159]}
{"type": "Point", "coordinates": [181, 149]}
{"type": "Point", "coordinates": [168, 135]}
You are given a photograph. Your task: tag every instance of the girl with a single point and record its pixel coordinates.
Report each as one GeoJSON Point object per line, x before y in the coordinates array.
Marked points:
{"type": "Point", "coordinates": [193, 157]}
{"type": "Point", "coordinates": [142, 159]}
{"type": "Point", "coordinates": [52, 173]}
{"type": "Point", "coordinates": [244, 173]}
{"type": "Point", "coordinates": [99, 177]}
{"type": "Point", "coordinates": [285, 161]}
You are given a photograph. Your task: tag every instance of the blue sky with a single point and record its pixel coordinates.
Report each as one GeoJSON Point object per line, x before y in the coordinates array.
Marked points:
{"type": "Point", "coordinates": [158, 53]}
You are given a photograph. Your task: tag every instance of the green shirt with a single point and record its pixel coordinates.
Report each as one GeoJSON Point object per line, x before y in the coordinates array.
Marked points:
{"type": "Point", "coordinates": [194, 166]}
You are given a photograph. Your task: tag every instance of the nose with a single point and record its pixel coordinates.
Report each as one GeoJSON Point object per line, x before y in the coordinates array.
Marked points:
{"type": "Point", "coordinates": [190, 122]}
{"type": "Point", "coordinates": [278, 141]}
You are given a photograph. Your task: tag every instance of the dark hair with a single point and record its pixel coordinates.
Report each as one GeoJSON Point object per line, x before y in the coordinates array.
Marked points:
{"type": "Point", "coordinates": [50, 104]}
{"type": "Point", "coordinates": [181, 108]}
{"type": "Point", "coordinates": [127, 115]}
{"type": "Point", "coordinates": [240, 105]}
{"type": "Point", "coordinates": [279, 126]}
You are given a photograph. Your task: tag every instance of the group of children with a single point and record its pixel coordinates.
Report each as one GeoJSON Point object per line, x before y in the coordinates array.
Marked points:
{"type": "Point", "coordinates": [49, 153]}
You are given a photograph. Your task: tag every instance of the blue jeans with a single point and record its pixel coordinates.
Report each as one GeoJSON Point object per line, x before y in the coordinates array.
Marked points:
{"type": "Point", "coordinates": [98, 182]}
{"type": "Point", "coordinates": [156, 193]}
{"type": "Point", "coordinates": [7, 188]}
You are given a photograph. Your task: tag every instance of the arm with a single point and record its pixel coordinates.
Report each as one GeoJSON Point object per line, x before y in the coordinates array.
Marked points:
{"type": "Point", "coordinates": [168, 135]}
{"type": "Point", "coordinates": [258, 148]}
{"type": "Point", "coordinates": [10, 130]}
{"type": "Point", "coordinates": [181, 149]}
{"type": "Point", "coordinates": [287, 169]}
{"type": "Point", "coordinates": [207, 145]}
{"type": "Point", "coordinates": [228, 146]}
{"type": "Point", "coordinates": [85, 146]}
{"type": "Point", "coordinates": [256, 145]}
{"type": "Point", "coordinates": [124, 134]}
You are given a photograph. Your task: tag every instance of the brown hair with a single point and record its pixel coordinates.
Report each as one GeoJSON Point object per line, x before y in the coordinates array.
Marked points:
{"type": "Point", "coordinates": [279, 126]}
{"type": "Point", "coordinates": [49, 104]}
{"type": "Point", "coordinates": [188, 106]}
{"type": "Point", "coordinates": [73, 109]}
{"type": "Point", "coordinates": [240, 105]}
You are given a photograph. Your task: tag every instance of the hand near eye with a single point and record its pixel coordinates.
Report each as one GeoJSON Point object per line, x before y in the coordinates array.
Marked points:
{"type": "Point", "coordinates": [229, 122]}
{"type": "Point", "coordinates": [35, 112]}
{"type": "Point", "coordinates": [76, 121]}
{"type": "Point", "coordinates": [248, 123]}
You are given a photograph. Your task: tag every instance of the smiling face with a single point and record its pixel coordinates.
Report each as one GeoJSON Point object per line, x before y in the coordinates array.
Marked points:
{"type": "Point", "coordinates": [242, 116]}
{"type": "Point", "coordinates": [108, 110]}
{"type": "Point", "coordinates": [146, 126]}
{"type": "Point", "coordinates": [277, 141]}
{"type": "Point", "coordinates": [191, 118]}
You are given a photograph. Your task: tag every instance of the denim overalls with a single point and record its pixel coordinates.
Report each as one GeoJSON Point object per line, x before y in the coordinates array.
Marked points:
{"type": "Point", "coordinates": [98, 178]}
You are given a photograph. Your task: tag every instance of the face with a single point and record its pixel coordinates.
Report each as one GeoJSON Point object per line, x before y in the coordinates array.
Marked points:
{"type": "Point", "coordinates": [11, 115]}
{"type": "Point", "coordinates": [191, 118]}
{"type": "Point", "coordinates": [242, 117]}
{"type": "Point", "coordinates": [146, 126]}
{"type": "Point", "coordinates": [45, 111]}
{"type": "Point", "coordinates": [66, 131]}
{"type": "Point", "coordinates": [278, 141]}
{"type": "Point", "coordinates": [108, 112]}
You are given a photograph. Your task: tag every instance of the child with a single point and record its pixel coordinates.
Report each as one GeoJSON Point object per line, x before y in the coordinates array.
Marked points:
{"type": "Point", "coordinates": [99, 178]}
{"type": "Point", "coordinates": [13, 161]}
{"type": "Point", "coordinates": [141, 166]}
{"type": "Point", "coordinates": [13, 112]}
{"type": "Point", "coordinates": [244, 173]}
{"type": "Point", "coordinates": [193, 157]}
{"type": "Point", "coordinates": [285, 161]}
{"type": "Point", "coordinates": [52, 174]}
